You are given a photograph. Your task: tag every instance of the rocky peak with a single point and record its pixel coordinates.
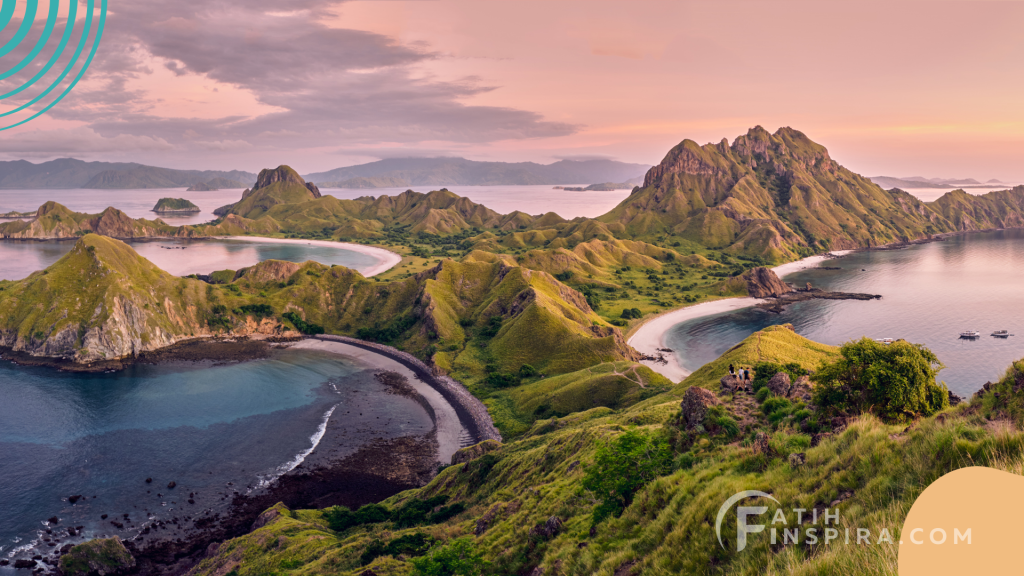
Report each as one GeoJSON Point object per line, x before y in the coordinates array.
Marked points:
{"type": "Point", "coordinates": [281, 174]}
{"type": "Point", "coordinates": [686, 158]}
{"type": "Point", "coordinates": [764, 283]}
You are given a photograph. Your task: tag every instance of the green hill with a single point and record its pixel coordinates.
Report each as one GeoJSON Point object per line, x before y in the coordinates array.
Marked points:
{"type": "Point", "coordinates": [102, 301]}
{"type": "Point", "coordinates": [529, 506]}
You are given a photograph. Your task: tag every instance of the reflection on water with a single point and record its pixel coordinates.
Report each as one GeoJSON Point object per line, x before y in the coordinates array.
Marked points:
{"type": "Point", "coordinates": [182, 257]}
{"type": "Point", "coordinates": [930, 293]}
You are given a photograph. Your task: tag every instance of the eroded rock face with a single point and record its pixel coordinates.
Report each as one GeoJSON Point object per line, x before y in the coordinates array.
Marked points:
{"type": "Point", "coordinates": [695, 405]}
{"type": "Point", "coordinates": [764, 283]}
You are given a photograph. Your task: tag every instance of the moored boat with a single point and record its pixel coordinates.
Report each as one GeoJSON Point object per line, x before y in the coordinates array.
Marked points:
{"type": "Point", "coordinates": [970, 334]}
{"type": "Point", "coordinates": [1001, 333]}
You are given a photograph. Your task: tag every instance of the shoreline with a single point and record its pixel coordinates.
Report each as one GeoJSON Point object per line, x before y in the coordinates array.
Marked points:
{"type": "Point", "coordinates": [470, 410]}
{"type": "Point", "coordinates": [317, 476]}
{"type": "Point", "coordinates": [649, 337]}
{"type": "Point", "coordinates": [386, 258]}
{"type": "Point", "coordinates": [449, 427]}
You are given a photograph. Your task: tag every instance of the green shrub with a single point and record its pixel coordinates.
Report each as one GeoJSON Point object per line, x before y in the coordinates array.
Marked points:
{"type": "Point", "coordinates": [301, 325]}
{"type": "Point", "coordinates": [258, 310]}
{"type": "Point", "coordinates": [623, 466]}
{"type": "Point", "coordinates": [409, 545]}
{"type": "Point", "coordinates": [631, 313]}
{"type": "Point", "coordinates": [764, 371]}
{"type": "Point", "coordinates": [492, 327]}
{"type": "Point", "coordinates": [459, 557]}
{"type": "Point", "coordinates": [895, 381]}
{"type": "Point", "coordinates": [763, 394]}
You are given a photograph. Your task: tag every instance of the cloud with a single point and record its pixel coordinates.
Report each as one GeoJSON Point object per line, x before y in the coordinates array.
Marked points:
{"type": "Point", "coordinates": [331, 87]}
{"type": "Point", "coordinates": [79, 142]}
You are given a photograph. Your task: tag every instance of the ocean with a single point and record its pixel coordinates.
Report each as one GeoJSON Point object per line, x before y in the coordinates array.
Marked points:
{"type": "Point", "coordinates": [930, 293]}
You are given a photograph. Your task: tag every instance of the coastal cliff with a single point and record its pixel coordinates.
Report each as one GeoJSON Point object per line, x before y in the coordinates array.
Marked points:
{"type": "Point", "coordinates": [103, 302]}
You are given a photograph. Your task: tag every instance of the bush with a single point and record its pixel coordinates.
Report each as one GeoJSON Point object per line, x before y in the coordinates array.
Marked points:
{"type": "Point", "coordinates": [764, 371]}
{"type": "Point", "coordinates": [631, 313]}
{"type": "Point", "coordinates": [388, 333]}
{"type": "Point", "coordinates": [564, 276]}
{"type": "Point", "coordinates": [622, 467]}
{"type": "Point", "coordinates": [499, 380]}
{"type": "Point", "coordinates": [895, 381]}
{"type": "Point", "coordinates": [526, 371]}
{"type": "Point", "coordinates": [762, 394]}
{"type": "Point", "coordinates": [457, 558]}
{"type": "Point", "coordinates": [410, 545]}
{"type": "Point", "coordinates": [301, 325]}
{"type": "Point", "coordinates": [492, 328]}
{"type": "Point", "coordinates": [257, 310]}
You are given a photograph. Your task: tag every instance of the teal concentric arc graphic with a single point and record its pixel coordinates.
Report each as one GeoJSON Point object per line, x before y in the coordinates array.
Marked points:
{"type": "Point", "coordinates": [37, 68]}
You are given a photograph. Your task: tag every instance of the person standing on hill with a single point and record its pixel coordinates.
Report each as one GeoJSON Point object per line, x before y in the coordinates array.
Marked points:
{"type": "Point", "coordinates": [732, 370]}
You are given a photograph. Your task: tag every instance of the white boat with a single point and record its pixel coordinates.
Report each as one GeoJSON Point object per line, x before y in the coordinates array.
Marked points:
{"type": "Point", "coordinates": [1001, 333]}
{"type": "Point", "coordinates": [884, 340]}
{"type": "Point", "coordinates": [970, 334]}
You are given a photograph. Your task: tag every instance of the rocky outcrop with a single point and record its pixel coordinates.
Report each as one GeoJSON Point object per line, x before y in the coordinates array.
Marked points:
{"type": "Point", "coordinates": [779, 384]}
{"type": "Point", "coordinates": [269, 271]}
{"type": "Point", "coordinates": [101, 557]}
{"type": "Point", "coordinates": [695, 405]}
{"type": "Point", "coordinates": [764, 283]}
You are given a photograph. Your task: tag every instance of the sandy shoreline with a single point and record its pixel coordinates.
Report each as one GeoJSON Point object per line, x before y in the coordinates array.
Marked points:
{"type": "Point", "coordinates": [386, 258]}
{"type": "Point", "coordinates": [650, 337]}
{"type": "Point", "coordinates": [449, 427]}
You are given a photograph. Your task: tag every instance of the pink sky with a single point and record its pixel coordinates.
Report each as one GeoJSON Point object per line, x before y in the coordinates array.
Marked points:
{"type": "Point", "coordinates": [898, 87]}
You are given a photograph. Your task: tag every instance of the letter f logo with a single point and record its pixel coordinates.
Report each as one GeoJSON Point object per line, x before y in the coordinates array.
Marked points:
{"type": "Point", "coordinates": [742, 513]}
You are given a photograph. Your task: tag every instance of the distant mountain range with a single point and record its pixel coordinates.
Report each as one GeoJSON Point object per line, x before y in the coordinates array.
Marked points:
{"type": "Point", "coordinates": [398, 172]}
{"type": "Point", "coordinates": [890, 182]}
{"type": "Point", "coordinates": [391, 173]}
{"type": "Point", "coordinates": [71, 173]}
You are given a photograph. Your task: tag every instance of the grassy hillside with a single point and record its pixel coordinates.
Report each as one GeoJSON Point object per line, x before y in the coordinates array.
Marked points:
{"type": "Point", "coordinates": [102, 301]}
{"type": "Point", "coordinates": [871, 471]}
{"type": "Point", "coordinates": [53, 220]}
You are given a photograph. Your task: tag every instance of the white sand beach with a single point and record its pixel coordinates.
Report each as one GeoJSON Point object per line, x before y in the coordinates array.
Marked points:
{"type": "Point", "coordinates": [650, 337]}
{"type": "Point", "coordinates": [386, 258]}
{"type": "Point", "coordinates": [447, 421]}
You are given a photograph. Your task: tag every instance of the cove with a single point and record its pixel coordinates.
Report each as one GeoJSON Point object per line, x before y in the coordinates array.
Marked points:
{"type": "Point", "coordinates": [930, 293]}
{"type": "Point", "coordinates": [213, 429]}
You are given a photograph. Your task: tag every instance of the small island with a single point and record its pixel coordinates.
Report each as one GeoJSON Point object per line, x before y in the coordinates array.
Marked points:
{"type": "Point", "coordinates": [175, 206]}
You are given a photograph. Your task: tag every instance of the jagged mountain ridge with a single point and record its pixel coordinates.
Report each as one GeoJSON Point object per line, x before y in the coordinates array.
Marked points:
{"type": "Point", "coordinates": [782, 196]}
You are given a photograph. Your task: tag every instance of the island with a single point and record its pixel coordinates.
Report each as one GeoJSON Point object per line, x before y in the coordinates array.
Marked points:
{"type": "Point", "coordinates": [175, 206]}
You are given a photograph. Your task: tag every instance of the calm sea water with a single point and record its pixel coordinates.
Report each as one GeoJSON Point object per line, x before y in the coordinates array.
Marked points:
{"type": "Point", "coordinates": [199, 425]}
{"type": "Point", "coordinates": [930, 293]}
{"type": "Point", "coordinates": [139, 203]}
{"type": "Point", "coordinates": [20, 258]}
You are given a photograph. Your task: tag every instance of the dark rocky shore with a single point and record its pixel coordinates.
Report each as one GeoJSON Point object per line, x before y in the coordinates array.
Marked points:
{"type": "Point", "coordinates": [378, 470]}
